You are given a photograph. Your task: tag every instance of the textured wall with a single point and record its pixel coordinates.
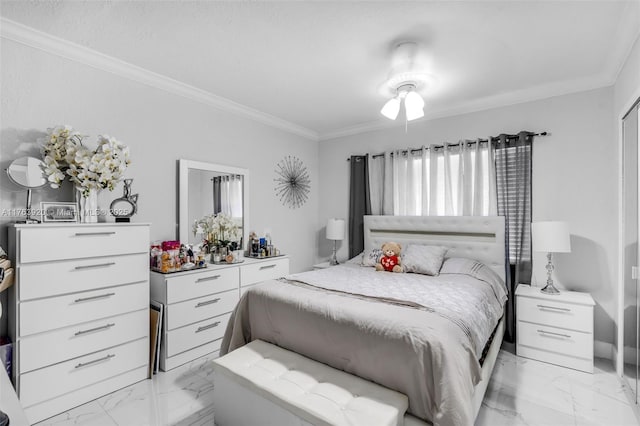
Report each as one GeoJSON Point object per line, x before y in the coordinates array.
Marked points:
{"type": "Point", "coordinates": [40, 90]}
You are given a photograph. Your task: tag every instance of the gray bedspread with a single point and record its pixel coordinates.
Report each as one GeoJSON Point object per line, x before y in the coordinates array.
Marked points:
{"type": "Point", "coordinates": [419, 335]}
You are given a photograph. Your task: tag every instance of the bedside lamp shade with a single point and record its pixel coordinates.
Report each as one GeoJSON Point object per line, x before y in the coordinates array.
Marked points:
{"type": "Point", "coordinates": [550, 237]}
{"type": "Point", "coordinates": [335, 229]}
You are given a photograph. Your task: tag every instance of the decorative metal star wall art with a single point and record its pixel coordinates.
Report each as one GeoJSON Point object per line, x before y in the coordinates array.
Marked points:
{"type": "Point", "coordinates": [292, 184]}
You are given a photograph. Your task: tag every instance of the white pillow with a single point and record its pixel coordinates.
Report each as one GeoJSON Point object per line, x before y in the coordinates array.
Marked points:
{"type": "Point", "coordinates": [371, 257]}
{"type": "Point", "coordinates": [421, 259]}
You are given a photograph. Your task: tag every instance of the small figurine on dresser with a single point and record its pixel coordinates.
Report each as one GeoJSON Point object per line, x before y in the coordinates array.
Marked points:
{"type": "Point", "coordinates": [126, 206]}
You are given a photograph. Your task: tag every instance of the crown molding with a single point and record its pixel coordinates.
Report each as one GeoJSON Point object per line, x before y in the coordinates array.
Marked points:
{"type": "Point", "coordinates": [628, 31]}
{"type": "Point", "coordinates": [481, 104]}
{"type": "Point", "coordinates": [31, 37]}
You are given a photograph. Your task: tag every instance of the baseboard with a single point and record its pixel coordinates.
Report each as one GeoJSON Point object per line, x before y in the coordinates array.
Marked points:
{"type": "Point", "coordinates": [604, 350]}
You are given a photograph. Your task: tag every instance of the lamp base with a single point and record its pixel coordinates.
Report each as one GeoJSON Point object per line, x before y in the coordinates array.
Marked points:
{"type": "Point", "coordinates": [550, 289]}
{"type": "Point", "coordinates": [334, 260]}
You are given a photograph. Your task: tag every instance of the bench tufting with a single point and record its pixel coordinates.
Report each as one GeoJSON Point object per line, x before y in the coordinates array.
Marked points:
{"type": "Point", "coordinates": [303, 389]}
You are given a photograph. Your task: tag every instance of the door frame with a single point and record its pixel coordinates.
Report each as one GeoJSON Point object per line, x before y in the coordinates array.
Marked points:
{"type": "Point", "coordinates": [619, 347]}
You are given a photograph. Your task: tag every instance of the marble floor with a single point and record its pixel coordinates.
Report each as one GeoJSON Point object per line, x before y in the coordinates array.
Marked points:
{"type": "Point", "coordinates": [521, 392]}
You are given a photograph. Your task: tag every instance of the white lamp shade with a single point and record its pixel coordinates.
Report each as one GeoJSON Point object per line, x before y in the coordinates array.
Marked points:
{"type": "Point", "coordinates": [335, 229]}
{"type": "Point", "coordinates": [391, 108]}
{"type": "Point", "coordinates": [550, 237]}
{"type": "Point", "coordinates": [413, 105]}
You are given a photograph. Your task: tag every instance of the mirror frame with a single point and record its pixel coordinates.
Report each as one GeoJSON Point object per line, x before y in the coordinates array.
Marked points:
{"type": "Point", "coordinates": [183, 195]}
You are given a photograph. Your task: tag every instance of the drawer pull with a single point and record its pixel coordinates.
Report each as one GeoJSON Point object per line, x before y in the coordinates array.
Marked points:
{"type": "Point", "coordinates": [100, 296]}
{"type": "Point", "coordinates": [95, 361]}
{"type": "Point", "coordinates": [89, 234]}
{"type": "Point", "coordinates": [99, 265]}
{"type": "Point", "coordinates": [267, 266]}
{"type": "Point", "coordinates": [206, 327]}
{"type": "Point", "coordinates": [208, 302]}
{"type": "Point", "coordinates": [215, 277]}
{"type": "Point", "coordinates": [554, 308]}
{"type": "Point", "coordinates": [566, 336]}
{"type": "Point", "coordinates": [91, 330]}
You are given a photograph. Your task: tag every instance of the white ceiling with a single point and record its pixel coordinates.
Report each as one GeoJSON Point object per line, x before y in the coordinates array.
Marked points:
{"type": "Point", "coordinates": [319, 65]}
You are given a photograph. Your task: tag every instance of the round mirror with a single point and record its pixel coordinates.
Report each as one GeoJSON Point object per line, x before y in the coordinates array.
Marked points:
{"type": "Point", "coordinates": [27, 172]}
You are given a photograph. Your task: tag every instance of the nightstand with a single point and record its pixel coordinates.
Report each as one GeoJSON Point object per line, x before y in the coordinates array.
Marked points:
{"type": "Point", "coordinates": [557, 329]}
{"type": "Point", "coordinates": [323, 265]}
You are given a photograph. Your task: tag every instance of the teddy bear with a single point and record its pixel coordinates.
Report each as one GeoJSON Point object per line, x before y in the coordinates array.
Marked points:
{"type": "Point", "coordinates": [390, 260]}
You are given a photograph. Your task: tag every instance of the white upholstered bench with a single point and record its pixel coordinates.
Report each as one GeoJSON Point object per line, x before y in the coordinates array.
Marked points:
{"type": "Point", "coordinates": [263, 384]}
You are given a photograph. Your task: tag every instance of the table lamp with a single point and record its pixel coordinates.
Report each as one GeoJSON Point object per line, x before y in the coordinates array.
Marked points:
{"type": "Point", "coordinates": [335, 232]}
{"type": "Point", "coordinates": [550, 237]}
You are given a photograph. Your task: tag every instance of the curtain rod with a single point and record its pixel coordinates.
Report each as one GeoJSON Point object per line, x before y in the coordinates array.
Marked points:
{"type": "Point", "coordinates": [466, 142]}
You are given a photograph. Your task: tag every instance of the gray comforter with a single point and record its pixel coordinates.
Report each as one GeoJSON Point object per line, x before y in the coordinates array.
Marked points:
{"type": "Point", "coordinates": [419, 335]}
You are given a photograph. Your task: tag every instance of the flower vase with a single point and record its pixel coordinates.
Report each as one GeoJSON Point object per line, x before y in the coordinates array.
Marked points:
{"type": "Point", "coordinates": [88, 206]}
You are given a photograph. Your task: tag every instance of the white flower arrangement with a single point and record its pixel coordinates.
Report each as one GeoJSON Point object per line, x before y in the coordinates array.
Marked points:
{"type": "Point", "coordinates": [219, 229]}
{"type": "Point", "coordinates": [65, 155]}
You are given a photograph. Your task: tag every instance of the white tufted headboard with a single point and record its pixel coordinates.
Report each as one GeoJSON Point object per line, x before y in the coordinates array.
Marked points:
{"type": "Point", "coordinates": [475, 237]}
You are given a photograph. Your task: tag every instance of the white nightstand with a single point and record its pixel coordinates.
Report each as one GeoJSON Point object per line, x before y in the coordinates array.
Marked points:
{"type": "Point", "coordinates": [323, 265]}
{"type": "Point", "coordinates": [555, 328]}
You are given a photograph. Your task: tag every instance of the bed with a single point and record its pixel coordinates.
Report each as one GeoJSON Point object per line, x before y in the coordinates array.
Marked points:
{"type": "Point", "coordinates": [434, 339]}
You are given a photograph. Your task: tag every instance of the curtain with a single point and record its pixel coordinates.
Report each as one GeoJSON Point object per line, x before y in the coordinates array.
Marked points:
{"type": "Point", "coordinates": [457, 179]}
{"type": "Point", "coordinates": [513, 176]}
{"type": "Point", "coordinates": [359, 202]}
{"type": "Point", "coordinates": [227, 195]}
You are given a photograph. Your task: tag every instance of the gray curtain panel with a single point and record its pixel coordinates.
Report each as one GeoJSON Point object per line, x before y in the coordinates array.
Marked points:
{"type": "Point", "coordinates": [359, 202]}
{"type": "Point", "coordinates": [513, 176]}
{"type": "Point", "coordinates": [217, 199]}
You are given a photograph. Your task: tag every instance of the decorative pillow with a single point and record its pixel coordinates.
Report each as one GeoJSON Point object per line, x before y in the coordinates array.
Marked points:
{"type": "Point", "coordinates": [371, 257]}
{"type": "Point", "coordinates": [421, 259]}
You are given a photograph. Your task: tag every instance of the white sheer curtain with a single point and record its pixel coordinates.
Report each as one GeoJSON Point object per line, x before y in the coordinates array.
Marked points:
{"type": "Point", "coordinates": [453, 180]}
{"type": "Point", "coordinates": [230, 195]}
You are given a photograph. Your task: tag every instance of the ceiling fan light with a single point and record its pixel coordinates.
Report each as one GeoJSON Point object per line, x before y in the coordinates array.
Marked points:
{"type": "Point", "coordinates": [413, 100]}
{"type": "Point", "coordinates": [413, 111]}
{"type": "Point", "coordinates": [391, 108]}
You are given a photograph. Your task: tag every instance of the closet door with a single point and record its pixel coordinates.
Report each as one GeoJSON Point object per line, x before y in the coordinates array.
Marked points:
{"type": "Point", "coordinates": [630, 256]}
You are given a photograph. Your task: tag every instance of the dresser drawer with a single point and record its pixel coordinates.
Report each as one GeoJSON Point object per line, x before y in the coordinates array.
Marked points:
{"type": "Point", "coordinates": [44, 349]}
{"type": "Point", "coordinates": [257, 272]}
{"type": "Point", "coordinates": [547, 312]}
{"type": "Point", "coordinates": [556, 340]}
{"type": "Point", "coordinates": [191, 286]}
{"type": "Point", "coordinates": [40, 385]}
{"type": "Point", "coordinates": [190, 311]}
{"type": "Point", "coordinates": [49, 279]}
{"type": "Point", "coordinates": [191, 336]}
{"type": "Point", "coordinates": [61, 311]}
{"type": "Point", "coordinates": [71, 242]}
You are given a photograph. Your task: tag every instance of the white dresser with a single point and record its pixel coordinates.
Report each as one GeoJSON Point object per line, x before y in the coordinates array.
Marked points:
{"type": "Point", "coordinates": [78, 312]}
{"type": "Point", "coordinates": [198, 305]}
{"type": "Point", "coordinates": [555, 328]}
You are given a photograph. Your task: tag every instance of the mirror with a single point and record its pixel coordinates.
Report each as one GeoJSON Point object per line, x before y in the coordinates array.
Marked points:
{"type": "Point", "coordinates": [206, 189]}
{"type": "Point", "coordinates": [27, 173]}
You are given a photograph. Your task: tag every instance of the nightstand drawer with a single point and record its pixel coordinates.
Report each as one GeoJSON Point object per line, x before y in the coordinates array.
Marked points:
{"type": "Point", "coordinates": [556, 340]}
{"type": "Point", "coordinates": [555, 314]}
